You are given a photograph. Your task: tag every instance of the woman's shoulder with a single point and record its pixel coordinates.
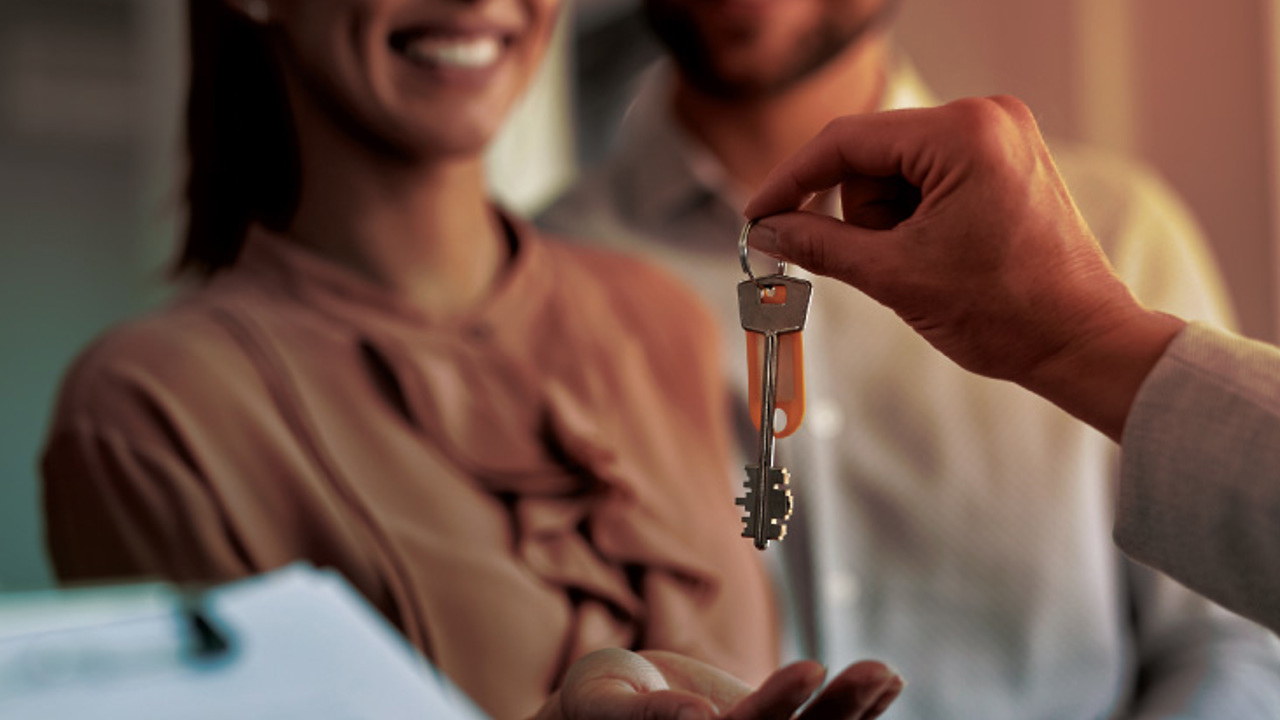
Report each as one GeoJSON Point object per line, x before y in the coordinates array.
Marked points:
{"type": "Point", "coordinates": [185, 354]}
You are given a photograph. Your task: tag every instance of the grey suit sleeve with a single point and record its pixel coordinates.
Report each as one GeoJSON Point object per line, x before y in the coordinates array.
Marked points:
{"type": "Point", "coordinates": [1199, 493]}
{"type": "Point", "coordinates": [1193, 660]}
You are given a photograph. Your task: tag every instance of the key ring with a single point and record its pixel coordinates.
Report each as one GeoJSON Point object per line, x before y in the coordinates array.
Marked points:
{"type": "Point", "coordinates": [743, 259]}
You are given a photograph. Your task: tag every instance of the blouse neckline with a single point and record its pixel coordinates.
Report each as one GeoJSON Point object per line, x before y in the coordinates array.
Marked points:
{"type": "Point", "coordinates": [515, 301]}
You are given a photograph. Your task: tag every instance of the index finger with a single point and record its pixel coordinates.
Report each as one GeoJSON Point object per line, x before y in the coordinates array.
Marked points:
{"type": "Point", "coordinates": [781, 694]}
{"type": "Point", "coordinates": [875, 145]}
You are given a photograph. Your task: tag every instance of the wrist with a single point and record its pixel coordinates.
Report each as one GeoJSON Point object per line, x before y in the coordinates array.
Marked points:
{"type": "Point", "coordinates": [1096, 376]}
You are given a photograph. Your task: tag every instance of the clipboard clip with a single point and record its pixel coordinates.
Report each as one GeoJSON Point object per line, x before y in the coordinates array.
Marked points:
{"type": "Point", "coordinates": [208, 639]}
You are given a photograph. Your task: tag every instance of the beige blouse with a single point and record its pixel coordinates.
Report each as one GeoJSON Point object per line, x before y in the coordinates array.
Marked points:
{"type": "Point", "coordinates": [549, 476]}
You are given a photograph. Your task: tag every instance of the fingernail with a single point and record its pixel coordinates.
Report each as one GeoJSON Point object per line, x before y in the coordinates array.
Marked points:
{"type": "Point", "coordinates": [817, 673]}
{"type": "Point", "coordinates": [764, 239]}
{"type": "Point", "coordinates": [883, 675]}
{"type": "Point", "coordinates": [888, 694]}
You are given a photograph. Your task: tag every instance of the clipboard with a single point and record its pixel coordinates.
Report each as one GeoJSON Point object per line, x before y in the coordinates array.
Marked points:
{"type": "Point", "coordinates": [295, 643]}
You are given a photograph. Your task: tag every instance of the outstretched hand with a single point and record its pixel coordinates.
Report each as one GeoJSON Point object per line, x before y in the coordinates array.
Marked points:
{"type": "Point", "coordinates": [618, 684]}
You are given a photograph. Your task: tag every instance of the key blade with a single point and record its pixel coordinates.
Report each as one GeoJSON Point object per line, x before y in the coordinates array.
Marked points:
{"type": "Point", "coordinates": [770, 317]}
{"type": "Point", "coordinates": [772, 524]}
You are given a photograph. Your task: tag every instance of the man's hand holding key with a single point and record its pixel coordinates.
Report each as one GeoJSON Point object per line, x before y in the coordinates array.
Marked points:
{"type": "Point", "coordinates": [988, 258]}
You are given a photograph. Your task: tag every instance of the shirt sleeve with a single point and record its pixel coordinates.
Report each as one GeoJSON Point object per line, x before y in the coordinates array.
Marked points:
{"type": "Point", "coordinates": [114, 511]}
{"type": "Point", "coordinates": [1200, 486]}
{"type": "Point", "coordinates": [148, 418]}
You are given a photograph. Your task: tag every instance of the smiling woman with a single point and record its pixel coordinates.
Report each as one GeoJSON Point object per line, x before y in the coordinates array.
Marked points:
{"type": "Point", "coordinates": [397, 78]}
{"type": "Point", "coordinates": [513, 447]}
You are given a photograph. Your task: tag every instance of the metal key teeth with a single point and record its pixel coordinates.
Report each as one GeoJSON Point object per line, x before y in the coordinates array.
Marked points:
{"type": "Point", "coordinates": [779, 512]}
{"type": "Point", "coordinates": [778, 503]}
{"type": "Point", "coordinates": [748, 504]}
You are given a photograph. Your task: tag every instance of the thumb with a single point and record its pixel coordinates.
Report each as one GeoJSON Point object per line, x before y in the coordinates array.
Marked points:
{"type": "Point", "coordinates": [823, 245]}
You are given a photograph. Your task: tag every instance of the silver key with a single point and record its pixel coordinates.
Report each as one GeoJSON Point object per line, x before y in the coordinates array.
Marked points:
{"type": "Point", "coordinates": [768, 497]}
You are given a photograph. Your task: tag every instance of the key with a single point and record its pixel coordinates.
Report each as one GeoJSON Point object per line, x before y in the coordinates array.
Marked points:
{"type": "Point", "coordinates": [771, 306]}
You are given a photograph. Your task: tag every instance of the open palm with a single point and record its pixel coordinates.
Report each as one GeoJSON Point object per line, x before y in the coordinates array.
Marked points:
{"type": "Point", "coordinates": [618, 684]}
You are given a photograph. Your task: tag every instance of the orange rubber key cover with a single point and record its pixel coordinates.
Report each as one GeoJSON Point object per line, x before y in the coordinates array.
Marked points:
{"type": "Point", "coordinates": [790, 386]}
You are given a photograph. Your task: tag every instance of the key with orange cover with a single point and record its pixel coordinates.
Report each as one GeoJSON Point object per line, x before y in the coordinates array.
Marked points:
{"type": "Point", "coordinates": [773, 311]}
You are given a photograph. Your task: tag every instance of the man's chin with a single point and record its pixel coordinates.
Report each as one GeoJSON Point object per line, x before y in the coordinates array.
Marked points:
{"type": "Point", "coordinates": [727, 87]}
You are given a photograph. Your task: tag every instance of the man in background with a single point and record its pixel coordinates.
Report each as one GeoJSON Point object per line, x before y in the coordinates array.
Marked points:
{"type": "Point", "coordinates": [953, 526]}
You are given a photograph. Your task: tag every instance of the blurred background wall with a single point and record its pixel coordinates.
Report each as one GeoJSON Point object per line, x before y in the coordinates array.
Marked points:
{"type": "Point", "coordinates": [90, 92]}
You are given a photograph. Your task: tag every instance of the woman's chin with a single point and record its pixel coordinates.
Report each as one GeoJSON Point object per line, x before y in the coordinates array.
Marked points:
{"type": "Point", "coordinates": [453, 123]}
{"type": "Point", "coordinates": [433, 143]}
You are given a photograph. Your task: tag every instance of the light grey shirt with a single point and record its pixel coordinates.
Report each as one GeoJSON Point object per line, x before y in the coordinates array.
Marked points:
{"type": "Point", "coordinates": [958, 528]}
{"type": "Point", "coordinates": [1200, 488]}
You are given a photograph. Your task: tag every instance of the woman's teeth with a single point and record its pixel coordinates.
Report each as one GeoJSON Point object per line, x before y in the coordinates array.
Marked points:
{"type": "Point", "coordinates": [454, 52]}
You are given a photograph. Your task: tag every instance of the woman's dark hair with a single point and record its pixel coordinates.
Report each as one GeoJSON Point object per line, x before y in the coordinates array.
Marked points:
{"type": "Point", "coordinates": [241, 152]}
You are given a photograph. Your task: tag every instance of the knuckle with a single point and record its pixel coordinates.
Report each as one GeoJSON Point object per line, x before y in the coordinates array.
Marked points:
{"type": "Point", "coordinates": [1013, 107]}
{"type": "Point", "coordinates": [835, 126]}
{"type": "Point", "coordinates": [980, 116]}
{"type": "Point", "coordinates": [991, 126]}
{"type": "Point", "coordinates": [837, 131]}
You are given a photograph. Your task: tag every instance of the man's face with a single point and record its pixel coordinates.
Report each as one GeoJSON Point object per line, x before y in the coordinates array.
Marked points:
{"type": "Point", "coordinates": [757, 48]}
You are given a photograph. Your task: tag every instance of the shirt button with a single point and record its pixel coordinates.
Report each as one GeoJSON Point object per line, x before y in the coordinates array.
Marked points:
{"type": "Point", "coordinates": [825, 419]}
